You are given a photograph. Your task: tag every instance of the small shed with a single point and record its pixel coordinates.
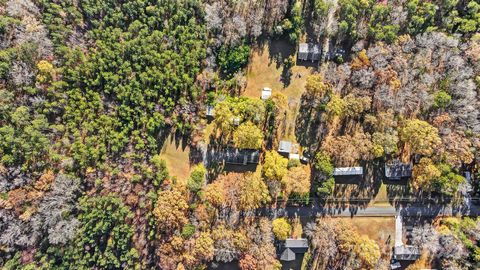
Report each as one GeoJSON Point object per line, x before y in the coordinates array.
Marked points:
{"type": "Point", "coordinates": [294, 156]}
{"type": "Point", "coordinates": [266, 93]}
{"type": "Point", "coordinates": [348, 171]}
{"type": "Point", "coordinates": [236, 121]}
{"type": "Point", "coordinates": [210, 111]}
{"type": "Point", "coordinates": [406, 253]}
{"type": "Point", "coordinates": [285, 147]}
{"type": "Point", "coordinates": [309, 52]}
{"type": "Point", "coordinates": [397, 170]}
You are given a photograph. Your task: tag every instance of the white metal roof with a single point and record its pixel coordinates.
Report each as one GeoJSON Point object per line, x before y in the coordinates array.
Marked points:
{"type": "Point", "coordinates": [285, 146]}
{"type": "Point", "coordinates": [266, 92]}
{"type": "Point", "coordinates": [303, 47]}
{"type": "Point", "coordinates": [293, 156]}
{"type": "Point", "coordinates": [348, 171]}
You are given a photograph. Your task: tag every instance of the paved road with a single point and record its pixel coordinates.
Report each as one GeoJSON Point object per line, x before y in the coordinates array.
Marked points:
{"type": "Point", "coordinates": [417, 210]}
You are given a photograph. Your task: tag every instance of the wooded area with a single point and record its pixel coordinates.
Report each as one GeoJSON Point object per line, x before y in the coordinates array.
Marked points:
{"type": "Point", "coordinates": [91, 90]}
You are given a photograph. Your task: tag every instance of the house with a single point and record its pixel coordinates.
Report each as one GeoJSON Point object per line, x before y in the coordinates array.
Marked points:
{"type": "Point", "coordinates": [348, 171]}
{"type": "Point", "coordinates": [309, 52]}
{"type": "Point", "coordinates": [210, 111]}
{"type": "Point", "coordinates": [285, 148]}
{"type": "Point", "coordinates": [291, 247]}
{"type": "Point", "coordinates": [397, 170]}
{"type": "Point", "coordinates": [241, 156]}
{"type": "Point", "coordinates": [406, 253]}
{"type": "Point", "coordinates": [402, 251]}
{"type": "Point", "coordinates": [348, 175]}
{"type": "Point", "coordinates": [266, 93]}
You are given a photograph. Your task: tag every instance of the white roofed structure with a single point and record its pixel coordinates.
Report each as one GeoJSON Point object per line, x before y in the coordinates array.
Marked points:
{"type": "Point", "coordinates": [266, 93]}
{"type": "Point", "coordinates": [346, 171]}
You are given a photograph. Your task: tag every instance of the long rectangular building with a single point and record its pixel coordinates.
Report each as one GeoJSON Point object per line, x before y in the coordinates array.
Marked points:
{"type": "Point", "coordinates": [347, 171]}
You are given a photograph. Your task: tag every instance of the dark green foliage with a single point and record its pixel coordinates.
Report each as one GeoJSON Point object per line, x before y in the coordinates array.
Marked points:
{"type": "Point", "coordinates": [292, 26]}
{"type": "Point", "coordinates": [351, 12]}
{"type": "Point", "coordinates": [381, 26]}
{"type": "Point", "coordinates": [197, 178]}
{"type": "Point", "coordinates": [441, 99]}
{"type": "Point", "coordinates": [160, 172]}
{"type": "Point", "coordinates": [5, 63]}
{"type": "Point", "coordinates": [232, 59]}
{"type": "Point", "coordinates": [188, 230]}
{"type": "Point", "coordinates": [421, 15]}
{"type": "Point", "coordinates": [449, 182]}
{"type": "Point", "coordinates": [326, 187]}
{"type": "Point", "coordinates": [24, 141]}
{"type": "Point", "coordinates": [126, 88]}
{"type": "Point", "coordinates": [104, 239]}
{"type": "Point", "coordinates": [293, 163]}
{"type": "Point", "coordinates": [324, 164]}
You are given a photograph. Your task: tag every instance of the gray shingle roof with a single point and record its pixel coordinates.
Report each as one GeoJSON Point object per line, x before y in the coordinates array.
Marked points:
{"type": "Point", "coordinates": [398, 170]}
{"type": "Point", "coordinates": [288, 255]}
{"type": "Point", "coordinates": [241, 156]}
{"type": "Point", "coordinates": [406, 253]}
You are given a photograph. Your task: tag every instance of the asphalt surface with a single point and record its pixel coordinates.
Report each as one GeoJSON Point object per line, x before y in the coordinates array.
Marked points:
{"type": "Point", "coordinates": [416, 210]}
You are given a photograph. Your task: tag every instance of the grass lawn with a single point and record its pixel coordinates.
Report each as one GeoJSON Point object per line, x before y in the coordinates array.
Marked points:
{"type": "Point", "coordinates": [177, 159]}
{"type": "Point", "coordinates": [381, 199]}
{"type": "Point", "coordinates": [263, 71]}
{"type": "Point", "coordinates": [376, 228]}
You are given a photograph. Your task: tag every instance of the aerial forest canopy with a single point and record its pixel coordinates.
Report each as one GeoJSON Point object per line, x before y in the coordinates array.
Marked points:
{"type": "Point", "coordinates": [93, 93]}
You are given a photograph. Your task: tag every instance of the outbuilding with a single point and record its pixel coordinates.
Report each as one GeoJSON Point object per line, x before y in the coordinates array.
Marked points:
{"type": "Point", "coordinates": [348, 171]}
{"type": "Point", "coordinates": [285, 147]}
{"type": "Point", "coordinates": [266, 93]}
{"type": "Point", "coordinates": [309, 52]}
{"type": "Point", "coordinates": [348, 175]}
{"type": "Point", "coordinates": [210, 111]}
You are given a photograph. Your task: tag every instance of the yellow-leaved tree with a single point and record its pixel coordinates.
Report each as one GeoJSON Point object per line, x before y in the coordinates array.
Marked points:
{"type": "Point", "coordinates": [281, 228]}
{"type": "Point", "coordinates": [420, 136]}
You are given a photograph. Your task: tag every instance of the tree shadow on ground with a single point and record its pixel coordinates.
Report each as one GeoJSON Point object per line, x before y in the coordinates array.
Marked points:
{"type": "Point", "coordinates": [309, 129]}
{"type": "Point", "coordinates": [282, 52]}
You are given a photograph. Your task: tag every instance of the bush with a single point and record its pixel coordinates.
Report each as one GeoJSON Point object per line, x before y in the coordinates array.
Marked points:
{"type": "Point", "coordinates": [292, 163]}
{"type": "Point", "coordinates": [232, 59]}
{"type": "Point", "coordinates": [197, 178]}
{"type": "Point", "coordinates": [188, 230]}
{"type": "Point", "coordinates": [326, 187]}
{"type": "Point", "coordinates": [324, 164]}
{"type": "Point", "coordinates": [441, 100]}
